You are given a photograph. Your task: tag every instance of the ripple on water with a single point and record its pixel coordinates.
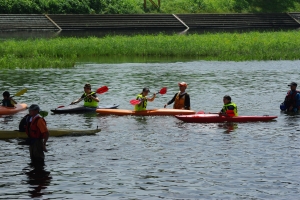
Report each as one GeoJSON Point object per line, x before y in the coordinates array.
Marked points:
{"type": "Point", "coordinates": [158, 157]}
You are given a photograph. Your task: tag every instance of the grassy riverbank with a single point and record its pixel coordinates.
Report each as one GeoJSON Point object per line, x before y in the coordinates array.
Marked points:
{"type": "Point", "coordinates": [65, 52]}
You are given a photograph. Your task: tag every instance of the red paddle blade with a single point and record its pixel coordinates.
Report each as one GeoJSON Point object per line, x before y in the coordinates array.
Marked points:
{"type": "Point", "coordinates": [134, 102]}
{"type": "Point", "coordinates": [163, 90]}
{"type": "Point", "coordinates": [102, 90]}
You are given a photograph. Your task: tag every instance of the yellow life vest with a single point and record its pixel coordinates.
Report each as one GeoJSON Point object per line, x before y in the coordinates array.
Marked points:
{"type": "Point", "coordinates": [235, 111]}
{"type": "Point", "coordinates": [142, 106]}
{"type": "Point", "coordinates": [179, 102]}
{"type": "Point", "coordinates": [89, 102]}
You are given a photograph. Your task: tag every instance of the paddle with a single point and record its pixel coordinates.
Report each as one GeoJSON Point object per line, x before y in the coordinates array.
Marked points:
{"type": "Point", "coordinates": [202, 112]}
{"type": "Point", "coordinates": [43, 113]}
{"type": "Point", "coordinates": [21, 92]}
{"type": "Point", "coordinates": [136, 102]}
{"type": "Point", "coordinates": [100, 90]}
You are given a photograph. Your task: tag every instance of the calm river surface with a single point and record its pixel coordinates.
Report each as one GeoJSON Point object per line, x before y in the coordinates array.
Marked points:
{"type": "Point", "coordinates": [158, 157]}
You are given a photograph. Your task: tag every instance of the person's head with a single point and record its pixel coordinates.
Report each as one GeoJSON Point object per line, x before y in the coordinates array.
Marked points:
{"type": "Point", "coordinates": [293, 85]}
{"type": "Point", "coordinates": [87, 88]}
{"type": "Point", "coordinates": [226, 99]}
{"type": "Point", "coordinates": [182, 86]}
{"type": "Point", "coordinates": [6, 95]}
{"type": "Point", "coordinates": [34, 109]}
{"type": "Point", "coordinates": [145, 91]}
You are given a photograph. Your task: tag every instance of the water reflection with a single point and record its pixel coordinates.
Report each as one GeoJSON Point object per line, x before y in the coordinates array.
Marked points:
{"type": "Point", "coordinates": [228, 126]}
{"type": "Point", "coordinates": [37, 178]}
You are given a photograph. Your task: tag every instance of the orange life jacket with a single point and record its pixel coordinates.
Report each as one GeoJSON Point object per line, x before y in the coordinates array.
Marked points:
{"type": "Point", "coordinates": [32, 130]}
{"type": "Point", "coordinates": [179, 102]}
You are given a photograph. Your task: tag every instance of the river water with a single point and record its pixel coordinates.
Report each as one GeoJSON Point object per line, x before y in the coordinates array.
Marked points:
{"type": "Point", "coordinates": [158, 157]}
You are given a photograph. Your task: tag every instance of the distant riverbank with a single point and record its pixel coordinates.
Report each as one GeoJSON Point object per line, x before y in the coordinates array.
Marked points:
{"type": "Point", "coordinates": [66, 52]}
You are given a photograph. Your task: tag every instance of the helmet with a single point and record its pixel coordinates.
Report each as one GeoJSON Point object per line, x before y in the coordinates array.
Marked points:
{"type": "Point", "coordinates": [182, 84]}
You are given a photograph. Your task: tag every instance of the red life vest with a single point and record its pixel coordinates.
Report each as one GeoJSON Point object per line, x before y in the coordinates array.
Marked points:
{"type": "Point", "coordinates": [290, 99]}
{"type": "Point", "coordinates": [32, 130]}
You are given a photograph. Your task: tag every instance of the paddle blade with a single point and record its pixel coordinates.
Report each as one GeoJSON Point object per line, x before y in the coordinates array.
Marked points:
{"type": "Point", "coordinates": [43, 113]}
{"type": "Point", "coordinates": [163, 90]}
{"type": "Point", "coordinates": [21, 92]}
{"type": "Point", "coordinates": [134, 102]}
{"type": "Point", "coordinates": [102, 90]}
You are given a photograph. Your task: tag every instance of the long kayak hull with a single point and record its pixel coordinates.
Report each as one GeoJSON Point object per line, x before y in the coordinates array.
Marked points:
{"type": "Point", "coordinates": [215, 118]}
{"type": "Point", "coordinates": [80, 109]}
{"type": "Point", "coordinates": [121, 112]}
{"type": "Point", "coordinates": [12, 110]}
{"type": "Point", "coordinates": [7, 134]}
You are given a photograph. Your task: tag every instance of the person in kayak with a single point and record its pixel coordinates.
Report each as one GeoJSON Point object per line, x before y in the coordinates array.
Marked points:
{"type": "Point", "coordinates": [144, 99]}
{"type": "Point", "coordinates": [181, 99]}
{"type": "Point", "coordinates": [292, 99]}
{"type": "Point", "coordinates": [38, 134]}
{"type": "Point", "coordinates": [90, 98]}
{"type": "Point", "coordinates": [229, 108]}
{"type": "Point", "coordinates": [8, 100]}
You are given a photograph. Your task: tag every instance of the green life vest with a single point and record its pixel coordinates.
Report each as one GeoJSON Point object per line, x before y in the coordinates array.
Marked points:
{"type": "Point", "coordinates": [226, 110]}
{"type": "Point", "coordinates": [143, 105]}
{"type": "Point", "coordinates": [89, 102]}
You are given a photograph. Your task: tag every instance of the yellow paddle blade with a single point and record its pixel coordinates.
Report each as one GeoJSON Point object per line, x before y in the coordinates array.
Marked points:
{"type": "Point", "coordinates": [21, 92]}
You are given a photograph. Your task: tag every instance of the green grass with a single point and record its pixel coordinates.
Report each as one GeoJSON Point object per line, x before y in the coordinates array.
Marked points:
{"type": "Point", "coordinates": [65, 52]}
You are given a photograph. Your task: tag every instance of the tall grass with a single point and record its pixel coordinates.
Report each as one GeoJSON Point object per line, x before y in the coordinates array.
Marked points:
{"type": "Point", "coordinates": [64, 52]}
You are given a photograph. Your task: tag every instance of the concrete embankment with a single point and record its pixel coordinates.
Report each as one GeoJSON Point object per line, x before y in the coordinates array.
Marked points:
{"type": "Point", "coordinates": [168, 22]}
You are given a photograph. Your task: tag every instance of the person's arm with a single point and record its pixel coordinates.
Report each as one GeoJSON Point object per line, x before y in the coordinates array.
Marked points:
{"type": "Point", "coordinates": [187, 103]}
{"type": "Point", "coordinates": [171, 101]}
{"type": "Point", "coordinates": [41, 124]}
{"type": "Point", "coordinates": [95, 98]}
{"type": "Point", "coordinates": [78, 100]}
{"type": "Point", "coordinates": [152, 98]}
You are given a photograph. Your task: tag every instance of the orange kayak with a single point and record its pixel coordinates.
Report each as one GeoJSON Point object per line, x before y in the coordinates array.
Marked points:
{"type": "Point", "coordinates": [163, 111]}
{"type": "Point", "coordinates": [12, 110]}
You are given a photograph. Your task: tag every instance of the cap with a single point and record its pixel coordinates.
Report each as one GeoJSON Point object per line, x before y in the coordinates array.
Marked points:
{"type": "Point", "coordinates": [87, 85]}
{"type": "Point", "coordinates": [34, 107]}
{"type": "Point", "coordinates": [292, 84]}
{"type": "Point", "coordinates": [145, 89]}
{"type": "Point", "coordinates": [182, 84]}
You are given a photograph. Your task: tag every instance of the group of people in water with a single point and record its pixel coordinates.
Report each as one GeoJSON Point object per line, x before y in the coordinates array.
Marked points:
{"type": "Point", "coordinates": [35, 125]}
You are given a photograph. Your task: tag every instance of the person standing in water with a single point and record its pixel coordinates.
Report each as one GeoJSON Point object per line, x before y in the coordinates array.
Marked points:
{"type": "Point", "coordinates": [38, 134]}
{"type": "Point", "coordinates": [292, 99]}
{"type": "Point", "coordinates": [142, 97]}
{"type": "Point", "coordinates": [181, 99]}
{"type": "Point", "coordinates": [90, 98]}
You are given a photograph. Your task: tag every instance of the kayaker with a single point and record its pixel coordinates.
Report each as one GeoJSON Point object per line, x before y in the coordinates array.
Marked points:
{"type": "Point", "coordinates": [8, 101]}
{"type": "Point", "coordinates": [144, 99]}
{"type": "Point", "coordinates": [38, 134]}
{"type": "Point", "coordinates": [292, 99]}
{"type": "Point", "coordinates": [181, 99]}
{"type": "Point", "coordinates": [90, 98]}
{"type": "Point", "coordinates": [229, 108]}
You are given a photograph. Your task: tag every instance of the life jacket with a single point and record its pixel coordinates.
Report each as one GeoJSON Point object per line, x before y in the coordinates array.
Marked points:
{"type": "Point", "coordinates": [89, 102]}
{"type": "Point", "coordinates": [179, 102]}
{"type": "Point", "coordinates": [142, 106]}
{"type": "Point", "coordinates": [290, 98]}
{"type": "Point", "coordinates": [7, 103]}
{"type": "Point", "coordinates": [230, 113]}
{"type": "Point", "coordinates": [32, 130]}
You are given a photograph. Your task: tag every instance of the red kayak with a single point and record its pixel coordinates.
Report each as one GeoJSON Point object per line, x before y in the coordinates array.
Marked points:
{"type": "Point", "coordinates": [216, 118]}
